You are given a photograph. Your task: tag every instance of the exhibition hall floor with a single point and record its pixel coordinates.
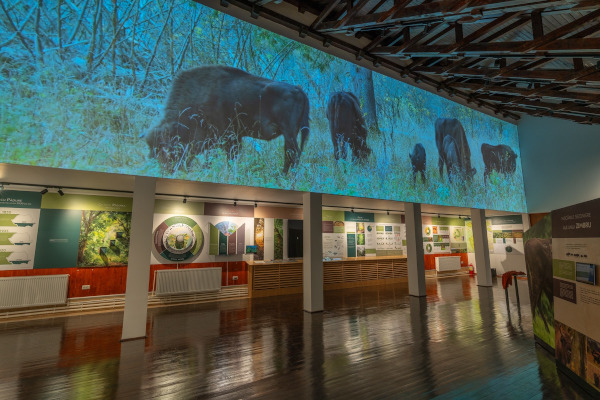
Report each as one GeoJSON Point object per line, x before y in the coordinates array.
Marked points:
{"type": "Point", "coordinates": [374, 342]}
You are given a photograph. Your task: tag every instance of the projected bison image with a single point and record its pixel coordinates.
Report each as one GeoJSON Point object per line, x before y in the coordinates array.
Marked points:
{"type": "Point", "coordinates": [347, 126]}
{"type": "Point", "coordinates": [217, 105]}
{"type": "Point", "coordinates": [418, 160]}
{"type": "Point", "coordinates": [454, 152]}
{"type": "Point", "coordinates": [500, 158]}
{"type": "Point", "coordinates": [215, 99]}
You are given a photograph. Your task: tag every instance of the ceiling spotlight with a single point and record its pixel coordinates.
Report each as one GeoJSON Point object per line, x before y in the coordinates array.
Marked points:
{"type": "Point", "coordinates": [184, 200]}
{"type": "Point", "coordinates": [302, 33]}
{"type": "Point", "coordinates": [359, 55]}
{"type": "Point", "coordinates": [255, 204]}
{"type": "Point", "coordinates": [224, 3]}
{"type": "Point", "coordinates": [1, 186]}
{"type": "Point", "coordinates": [235, 203]}
{"type": "Point", "coordinates": [352, 209]}
{"type": "Point", "coordinates": [439, 216]}
{"type": "Point", "coordinates": [327, 42]}
{"type": "Point", "coordinates": [376, 63]}
{"type": "Point", "coordinates": [60, 192]}
{"type": "Point", "coordinates": [388, 212]}
{"type": "Point", "coordinates": [254, 13]}
{"type": "Point", "coordinates": [44, 191]}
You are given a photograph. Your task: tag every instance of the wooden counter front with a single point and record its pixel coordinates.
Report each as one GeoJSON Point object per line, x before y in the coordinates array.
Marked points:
{"type": "Point", "coordinates": [278, 278]}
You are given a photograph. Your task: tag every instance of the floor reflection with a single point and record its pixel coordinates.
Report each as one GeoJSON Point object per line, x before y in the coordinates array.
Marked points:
{"type": "Point", "coordinates": [461, 341]}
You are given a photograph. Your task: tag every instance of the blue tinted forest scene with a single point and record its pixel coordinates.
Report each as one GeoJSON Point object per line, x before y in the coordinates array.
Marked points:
{"type": "Point", "coordinates": [176, 89]}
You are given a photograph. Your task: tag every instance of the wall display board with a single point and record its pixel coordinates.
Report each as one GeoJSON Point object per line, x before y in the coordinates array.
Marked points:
{"type": "Point", "coordinates": [227, 238]}
{"type": "Point", "coordinates": [124, 108]}
{"type": "Point", "coordinates": [354, 234]}
{"type": "Point", "coordinates": [507, 234]}
{"type": "Point", "coordinates": [83, 231]}
{"type": "Point", "coordinates": [334, 234]}
{"type": "Point", "coordinates": [19, 222]}
{"type": "Point", "coordinates": [443, 235]}
{"type": "Point", "coordinates": [178, 238]}
{"type": "Point", "coordinates": [538, 259]}
{"type": "Point", "coordinates": [575, 267]}
{"type": "Point", "coordinates": [200, 232]}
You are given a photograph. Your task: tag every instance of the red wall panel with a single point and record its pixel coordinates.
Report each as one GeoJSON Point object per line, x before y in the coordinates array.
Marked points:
{"type": "Point", "coordinates": [430, 259]}
{"type": "Point", "coordinates": [112, 280]}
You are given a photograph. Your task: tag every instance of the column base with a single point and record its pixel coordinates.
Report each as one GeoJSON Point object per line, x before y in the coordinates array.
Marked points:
{"type": "Point", "coordinates": [133, 338]}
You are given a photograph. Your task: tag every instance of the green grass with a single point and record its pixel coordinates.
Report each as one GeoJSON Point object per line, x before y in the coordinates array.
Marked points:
{"type": "Point", "coordinates": [54, 121]}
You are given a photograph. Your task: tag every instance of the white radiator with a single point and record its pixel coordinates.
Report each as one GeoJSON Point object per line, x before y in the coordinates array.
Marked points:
{"type": "Point", "coordinates": [450, 263]}
{"type": "Point", "coordinates": [172, 281]}
{"type": "Point", "coordinates": [29, 291]}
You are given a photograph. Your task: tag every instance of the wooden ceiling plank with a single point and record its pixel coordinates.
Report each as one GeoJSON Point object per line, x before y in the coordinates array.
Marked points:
{"type": "Point", "coordinates": [558, 33]}
{"type": "Point", "coordinates": [490, 88]}
{"type": "Point", "coordinates": [361, 4]}
{"type": "Point", "coordinates": [481, 31]}
{"type": "Point", "coordinates": [325, 13]}
{"type": "Point", "coordinates": [389, 13]}
{"type": "Point", "coordinates": [417, 38]}
{"type": "Point", "coordinates": [451, 11]}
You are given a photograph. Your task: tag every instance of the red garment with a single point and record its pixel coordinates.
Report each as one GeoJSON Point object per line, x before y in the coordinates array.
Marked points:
{"type": "Point", "coordinates": [507, 277]}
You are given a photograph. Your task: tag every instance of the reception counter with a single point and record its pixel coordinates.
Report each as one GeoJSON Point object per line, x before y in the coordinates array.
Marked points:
{"type": "Point", "coordinates": [274, 278]}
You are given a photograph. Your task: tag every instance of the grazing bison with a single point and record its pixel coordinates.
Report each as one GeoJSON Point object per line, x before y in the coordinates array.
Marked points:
{"type": "Point", "coordinates": [499, 158]}
{"type": "Point", "coordinates": [538, 258]}
{"type": "Point", "coordinates": [418, 160]}
{"type": "Point", "coordinates": [347, 126]}
{"type": "Point", "coordinates": [217, 105]}
{"type": "Point", "coordinates": [451, 156]}
{"type": "Point", "coordinates": [451, 127]}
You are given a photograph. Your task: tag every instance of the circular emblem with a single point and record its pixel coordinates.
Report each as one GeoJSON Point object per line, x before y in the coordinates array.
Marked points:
{"type": "Point", "coordinates": [178, 238]}
{"type": "Point", "coordinates": [428, 247]}
{"type": "Point", "coordinates": [428, 230]}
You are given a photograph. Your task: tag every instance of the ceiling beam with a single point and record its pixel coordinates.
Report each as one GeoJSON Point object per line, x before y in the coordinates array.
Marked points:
{"type": "Point", "coordinates": [552, 94]}
{"type": "Point", "coordinates": [452, 10]}
{"type": "Point", "coordinates": [567, 47]}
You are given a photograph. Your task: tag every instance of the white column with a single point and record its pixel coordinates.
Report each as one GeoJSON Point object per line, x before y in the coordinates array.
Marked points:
{"type": "Point", "coordinates": [414, 249]}
{"type": "Point", "coordinates": [138, 269]}
{"type": "Point", "coordinates": [312, 260]}
{"type": "Point", "coordinates": [526, 222]}
{"type": "Point", "coordinates": [482, 251]}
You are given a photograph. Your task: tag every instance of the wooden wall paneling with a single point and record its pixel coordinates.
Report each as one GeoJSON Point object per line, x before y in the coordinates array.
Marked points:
{"type": "Point", "coordinates": [333, 272]}
{"type": "Point", "coordinates": [351, 271]}
{"type": "Point", "coordinates": [368, 271]}
{"type": "Point", "coordinates": [290, 275]}
{"type": "Point", "coordinates": [385, 269]}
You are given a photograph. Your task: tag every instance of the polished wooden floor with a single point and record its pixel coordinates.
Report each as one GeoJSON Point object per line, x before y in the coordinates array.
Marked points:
{"type": "Point", "coordinates": [371, 343]}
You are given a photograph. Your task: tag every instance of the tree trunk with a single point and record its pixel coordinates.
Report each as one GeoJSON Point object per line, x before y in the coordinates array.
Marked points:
{"type": "Point", "coordinates": [364, 89]}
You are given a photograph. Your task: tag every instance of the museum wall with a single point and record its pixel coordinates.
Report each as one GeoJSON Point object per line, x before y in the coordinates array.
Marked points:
{"type": "Point", "coordinates": [560, 162]}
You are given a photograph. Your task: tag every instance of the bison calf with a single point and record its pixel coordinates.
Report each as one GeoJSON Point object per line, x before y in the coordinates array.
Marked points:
{"type": "Point", "coordinates": [347, 126]}
{"type": "Point", "coordinates": [500, 158]}
{"type": "Point", "coordinates": [419, 162]}
{"type": "Point", "coordinates": [216, 105]}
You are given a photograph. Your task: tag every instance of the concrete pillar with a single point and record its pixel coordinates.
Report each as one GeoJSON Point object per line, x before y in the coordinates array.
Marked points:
{"type": "Point", "coordinates": [140, 250]}
{"type": "Point", "coordinates": [312, 260]}
{"type": "Point", "coordinates": [482, 251]}
{"type": "Point", "coordinates": [414, 249]}
{"type": "Point", "coordinates": [526, 222]}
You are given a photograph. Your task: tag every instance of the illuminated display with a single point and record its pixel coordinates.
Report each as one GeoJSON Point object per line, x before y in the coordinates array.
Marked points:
{"type": "Point", "coordinates": [179, 90]}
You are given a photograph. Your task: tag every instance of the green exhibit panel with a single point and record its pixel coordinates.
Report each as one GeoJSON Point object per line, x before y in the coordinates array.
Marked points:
{"type": "Point", "coordinates": [178, 238]}
{"type": "Point", "coordinates": [576, 289]}
{"type": "Point", "coordinates": [58, 239]}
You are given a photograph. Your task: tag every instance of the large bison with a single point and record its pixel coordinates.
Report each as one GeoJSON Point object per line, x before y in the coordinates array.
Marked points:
{"type": "Point", "coordinates": [538, 258]}
{"type": "Point", "coordinates": [451, 127]}
{"type": "Point", "coordinates": [418, 160]}
{"type": "Point", "coordinates": [347, 126]}
{"type": "Point", "coordinates": [499, 158]}
{"type": "Point", "coordinates": [216, 105]}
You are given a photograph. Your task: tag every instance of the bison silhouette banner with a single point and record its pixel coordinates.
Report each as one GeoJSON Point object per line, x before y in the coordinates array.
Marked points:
{"type": "Point", "coordinates": [179, 90]}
